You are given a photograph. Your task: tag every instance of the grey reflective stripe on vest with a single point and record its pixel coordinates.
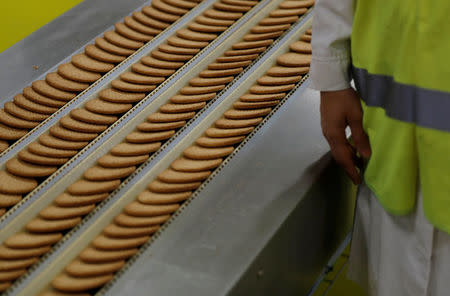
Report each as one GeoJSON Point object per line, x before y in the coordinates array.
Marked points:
{"type": "Point", "coordinates": [427, 108]}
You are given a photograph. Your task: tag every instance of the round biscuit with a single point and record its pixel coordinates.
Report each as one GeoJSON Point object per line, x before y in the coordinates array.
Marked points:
{"type": "Point", "coordinates": [306, 38]}
{"type": "Point", "coordinates": [131, 149]}
{"type": "Point", "coordinates": [162, 187]}
{"type": "Point", "coordinates": [152, 198]}
{"type": "Point", "coordinates": [279, 71]}
{"type": "Point", "coordinates": [220, 73]}
{"type": "Point", "coordinates": [26, 169]}
{"type": "Point", "coordinates": [259, 37]}
{"type": "Point", "coordinates": [9, 200]}
{"type": "Point", "coordinates": [3, 145]}
{"type": "Point", "coordinates": [201, 153]}
{"type": "Point", "coordinates": [54, 212]}
{"type": "Point", "coordinates": [97, 256]}
{"type": "Point", "coordinates": [170, 57]}
{"type": "Point", "coordinates": [113, 48]}
{"type": "Point", "coordinates": [245, 114]}
{"type": "Point", "coordinates": [168, 8]}
{"type": "Point", "coordinates": [39, 225]}
{"type": "Point", "coordinates": [157, 127]}
{"type": "Point", "coordinates": [194, 26]}
{"type": "Point", "coordinates": [182, 3]}
{"type": "Point", "coordinates": [138, 209]}
{"type": "Point", "coordinates": [262, 89]}
{"type": "Point", "coordinates": [87, 116]}
{"type": "Point", "coordinates": [70, 123]}
{"type": "Point", "coordinates": [131, 34]}
{"type": "Point", "coordinates": [132, 87]}
{"type": "Point", "coordinates": [70, 71]}
{"type": "Point", "coordinates": [51, 141]}
{"type": "Point", "coordinates": [301, 47]}
{"type": "Point", "coordinates": [107, 243]}
{"type": "Point", "coordinates": [150, 22]}
{"type": "Point", "coordinates": [68, 200]}
{"type": "Point", "coordinates": [70, 135]}
{"type": "Point", "coordinates": [12, 184]}
{"type": "Point", "coordinates": [177, 41]}
{"type": "Point", "coordinates": [106, 108]}
{"type": "Point", "coordinates": [234, 8]}
{"type": "Point", "coordinates": [66, 283]}
{"type": "Point", "coordinates": [85, 187]}
{"type": "Point", "coordinates": [11, 133]}
{"type": "Point", "coordinates": [198, 90]}
{"type": "Point", "coordinates": [99, 173]}
{"type": "Point", "coordinates": [238, 52]}
{"type": "Point", "coordinates": [231, 65]}
{"type": "Point", "coordinates": [59, 82]}
{"type": "Point", "coordinates": [36, 159]}
{"type": "Point", "coordinates": [237, 123]}
{"type": "Point", "coordinates": [131, 221]}
{"type": "Point", "coordinates": [25, 240]}
{"type": "Point", "coordinates": [262, 97]}
{"type": "Point", "coordinates": [308, 31]}
{"type": "Point", "coordinates": [119, 40]}
{"type": "Point", "coordinates": [269, 29]}
{"type": "Point", "coordinates": [7, 265]}
{"type": "Point", "coordinates": [204, 20]}
{"type": "Point", "coordinates": [223, 15]}
{"type": "Point", "coordinates": [172, 176]}
{"type": "Point", "coordinates": [188, 165]}
{"type": "Point", "coordinates": [102, 55]}
{"type": "Point", "coordinates": [37, 98]}
{"type": "Point", "coordinates": [292, 4]}
{"type": "Point", "coordinates": [151, 71]}
{"type": "Point", "coordinates": [178, 50]}
{"type": "Point", "coordinates": [23, 113]}
{"type": "Point", "coordinates": [11, 275]}
{"type": "Point", "coordinates": [195, 36]}
{"type": "Point", "coordinates": [79, 268]}
{"type": "Point", "coordinates": [177, 108]}
{"type": "Point", "coordinates": [133, 77]}
{"type": "Point", "coordinates": [89, 64]}
{"type": "Point", "coordinates": [240, 2]}
{"type": "Point", "coordinates": [270, 80]}
{"type": "Point", "coordinates": [159, 15]}
{"type": "Point", "coordinates": [152, 62]}
{"type": "Point", "coordinates": [159, 117]}
{"type": "Point", "coordinates": [251, 44]}
{"type": "Point", "coordinates": [15, 253]}
{"type": "Point", "coordinates": [114, 230]}
{"type": "Point", "coordinates": [288, 12]}
{"type": "Point", "coordinates": [144, 137]}
{"type": "Point", "coordinates": [134, 24]}
{"type": "Point", "coordinates": [5, 285]}
{"type": "Point", "coordinates": [12, 121]}
{"type": "Point", "coordinates": [254, 105]}
{"type": "Point", "coordinates": [215, 132]}
{"type": "Point", "coordinates": [239, 58]}
{"type": "Point", "coordinates": [292, 59]}
{"type": "Point", "coordinates": [188, 99]}
{"type": "Point", "coordinates": [114, 161]}
{"type": "Point", "coordinates": [218, 142]}
{"type": "Point", "coordinates": [45, 89]}
{"type": "Point", "coordinates": [268, 21]}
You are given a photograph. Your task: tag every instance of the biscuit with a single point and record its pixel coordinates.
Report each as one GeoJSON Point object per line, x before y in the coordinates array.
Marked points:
{"type": "Point", "coordinates": [270, 80]}
{"type": "Point", "coordinates": [138, 78]}
{"type": "Point", "coordinates": [239, 58]}
{"type": "Point", "coordinates": [229, 132]}
{"type": "Point", "coordinates": [182, 3]}
{"type": "Point", "coordinates": [43, 88]}
{"type": "Point", "coordinates": [11, 275]}
{"type": "Point", "coordinates": [156, 127]}
{"type": "Point", "coordinates": [162, 187]}
{"type": "Point", "coordinates": [151, 71]}
{"type": "Point", "coordinates": [129, 149]}
{"type": "Point", "coordinates": [288, 12]}
{"type": "Point", "coordinates": [308, 31]}
{"type": "Point", "coordinates": [142, 137]}
{"type": "Point", "coordinates": [218, 142]}
{"type": "Point", "coordinates": [36, 97]}
{"type": "Point", "coordinates": [287, 71]}
{"type": "Point", "coordinates": [79, 126]}
{"type": "Point", "coordinates": [212, 21]}
{"type": "Point", "coordinates": [56, 80]}
{"type": "Point", "coordinates": [240, 2]}
{"type": "Point", "coordinates": [258, 37]}
{"type": "Point", "coordinates": [177, 41]}
{"type": "Point", "coordinates": [251, 44]}
{"type": "Point", "coordinates": [254, 105]}
{"type": "Point", "coordinates": [178, 50]}
{"type": "Point", "coordinates": [172, 176]}
{"type": "Point", "coordinates": [269, 29]}
{"type": "Point", "coordinates": [78, 268]}
{"type": "Point", "coordinates": [36, 159]}
{"type": "Point", "coordinates": [11, 133]}
{"type": "Point", "coordinates": [131, 221]}
{"type": "Point", "coordinates": [70, 135]}
{"type": "Point", "coordinates": [194, 26]}
{"type": "Point", "coordinates": [53, 212]}
{"type": "Point", "coordinates": [38, 225]}
{"type": "Point", "coordinates": [188, 99]}
{"type": "Point", "coordinates": [97, 256]}
{"type": "Point", "coordinates": [98, 173]}
{"type": "Point", "coordinates": [244, 114]}
{"type": "Point", "coordinates": [139, 27]}
{"type": "Point", "coordinates": [113, 48]}
{"type": "Point", "coordinates": [24, 240]}
{"type": "Point", "coordinates": [54, 293]}
{"type": "Point", "coordinates": [143, 210]}
{"type": "Point", "coordinates": [151, 22]}
{"type": "Point", "coordinates": [261, 89]}
{"type": "Point", "coordinates": [159, 117]}
{"type": "Point", "coordinates": [296, 4]}
{"type": "Point", "coordinates": [152, 62]}
{"type": "Point", "coordinates": [22, 113]}
{"type": "Point", "coordinates": [106, 243]}
{"type": "Point", "coordinates": [160, 55]}
{"type": "Point", "coordinates": [122, 41]}
{"type": "Point", "coordinates": [3, 145]}
{"type": "Point", "coordinates": [268, 21]}
{"type": "Point", "coordinates": [66, 283]}
{"type": "Point", "coordinates": [12, 121]}
{"type": "Point", "coordinates": [11, 184]}
{"type": "Point", "coordinates": [225, 66]}
{"type": "Point", "coordinates": [152, 198]}
{"type": "Point", "coordinates": [201, 153]}
{"type": "Point", "coordinates": [262, 97]}
{"type": "Point", "coordinates": [25, 169]}
{"type": "Point", "coordinates": [233, 8]}
{"type": "Point", "coordinates": [177, 108]}
{"type": "Point", "coordinates": [162, 6]}
{"type": "Point", "coordinates": [220, 73]}
{"type": "Point", "coordinates": [91, 117]}
{"type": "Point", "coordinates": [97, 53]}
{"type": "Point", "coordinates": [159, 15]}
{"type": "Point", "coordinates": [222, 15]}
{"type": "Point", "coordinates": [8, 200]}
{"type": "Point", "coordinates": [198, 90]}
{"type": "Point", "coordinates": [107, 108]}
{"type": "Point", "coordinates": [51, 141]}
{"type": "Point", "coordinates": [14, 253]}
{"type": "Point", "coordinates": [292, 59]}
{"type": "Point", "coordinates": [129, 33]}
{"type": "Point", "coordinates": [6, 265]}
{"type": "Point", "coordinates": [237, 52]}
{"type": "Point", "coordinates": [113, 161]}
{"type": "Point", "coordinates": [113, 230]}
{"type": "Point", "coordinates": [4, 286]}
{"type": "Point", "coordinates": [240, 123]}
{"type": "Point", "coordinates": [89, 64]}
{"type": "Point", "coordinates": [68, 200]}
{"type": "Point", "coordinates": [131, 87]}
{"type": "Point", "coordinates": [301, 47]}
{"type": "Point", "coordinates": [85, 187]}
{"type": "Point", "coordinates": [188, 165]}
{"type": "Point", "coordinates": [306, 38]}
{"type": "Point", "coordinates": [195, 36]}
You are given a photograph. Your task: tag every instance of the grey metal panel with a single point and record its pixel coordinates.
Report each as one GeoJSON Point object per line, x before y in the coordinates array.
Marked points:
{"type": "Point", "coordinates": [210, 246]}
{"type": "Point", "coordinates": [58, 39]}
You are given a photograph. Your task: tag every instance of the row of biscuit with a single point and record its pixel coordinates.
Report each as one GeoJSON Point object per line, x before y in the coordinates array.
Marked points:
{"type": "Point", "coordinates": [108, 252]}
{"type": "Point", "coordinates": [111, 169]}
{"type": "Point", "coordinates": [44, 97]}
{"type": "Point", "coordinates": [73, 132]}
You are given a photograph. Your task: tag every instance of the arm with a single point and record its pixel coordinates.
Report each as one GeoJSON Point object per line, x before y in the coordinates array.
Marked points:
{"type": "Point", "coordinates": [339, 104]}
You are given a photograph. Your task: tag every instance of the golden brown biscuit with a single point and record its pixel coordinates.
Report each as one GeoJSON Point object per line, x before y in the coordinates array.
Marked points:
{"type": "Point", "coordinates": [24, 240]}
{"type": "Point", "coordinates": [262, 89]}
{"type": "Point", "coordinates": [85, 187]}
{"type": "Point", "coordinates": [225, 66]}
{"type": "Point", "coordinates": [188, 99]}
{"type": "Point", "coordinates": [292, 59]}
{"type": "Point", "coordinates": [194, 26]}
{"type": "Point", "coordinates": [91, 117]}
{"type": "Point", "coordinates": [3, 145]}
{"type": "Point", "coordinates": [177, 108]}
{"type": "Point", "coordinates": [133, 77]}
{"type": "Point", "coordinates": [188, 165]}
{"type": "Point", "coordinates": [14, 253]}
{"type": "Point", "coordinates": [201, 153]}
{"type": "Point", "coordinates": [268, 21]}
{"type": "Point", "coordinates": [98, 173]}
{"type": "Point", "coordinates": [262, 97]}
{"type": "Point", "coordinates": [159, 117]}
{"type": "Point", "coordinates": [36, 159]}
{"type": "Point", "coordinates": [182, 3]}
{"type": "Point", "coordinates": [168, 8]}
{"type": "Point", "coordinates": [301, 47]}
{"type": "Point", "coordinates": [220, 73]}
{"type": "Point", "coordinates": [138, 209]}
{"type": "Point", "coordinates": [129, 149]}
{"type": "Point", "coordinates": [134, 24]}
{"type": "Point", "coordinates": [114, 161]}
{"type": "Point", "coordinates": [131, 34]}
{"type": "Point", "coordinates": [214, 132]}
{"type": "Point", "coordinates": [160, 55]}
{"type": "Point", "coordinates": [306, 38]}
{"type": "Point", "coordinates": [222, 15]}
{"type": "Point", "coordinates": [38, 98]}
{"type": "Point", "coordinates": [258, 37]}
{"type": "Point", "coordinates": [89, 64]}
{"type": "Point", "coordinates": [11, 275]}
{"type": "Point", "coordinates": [244, 114]}
{"type": "Point", "coordinates": [197, 90]}
{"type": "Point", "coordinates": [107, 108]}
{"type": "Point", "coordinates": [26, 169]}
{"type": "Point", "coordinates": [287, 71]}
{"type": "Point", "coordinates": [178, 50]}
{"type": "Point", "coordinates": [254, 105]}
{"type": "Point", "coordinates": [132, 87]}
{"type": "Point", "coordinates": [162, 187]}
{"type": "Point", "coordinates": [45, 89]}
{"type": "Point", "coordinates": [177, 41]}
{"type": "Point", "coordinates": [59, 82]}
{"type": "Point", "coordinates": [237, 52]}
{"type": "Point", "coordinates": [293, 4]}
{"type": "Point", "coordinates": [271, 80]}
{"type": "Point", "coordinates": [79, 126]}
{"type": "Point", "coordinates": [152, 62]}
{"type": "Point", "coordinates": [131, 221]}
{"type": "Point", "coordinates": [239, 58]}
{"type": "Point", "coordinates": [54, 212]}
{"type": "Point", "coordinates": [288, 12]}
{"type": "Point", "coordinates": [11, 133]}
{"type": "Point", "coordinates": [252, 44]}
{"type": "Point", "coordinates": [218, 142]}
{"type": "Point", "coordinates": [114, 230]}
{"type": "Point", "coordinates": [122, 41]}
{"type": "Point", "coordinates": [7, 265]}
{"type": "Point", "coordinates": [237, 123]}
{"type": "Point", "coordinates": [159, 15]}
{"type": "Point", "coordinates": [172, 176]}
{"type": "Point", "coordinates": [195, 36]}
{"type": "Point", "coordinates": [113, 48]}
{"type": "Point", "coordinates": [79, 268]}
{"type": "Point", "coordinates": [157, 127]}
{"type": "Point", "coordinates": [70, 135]}
{"type": "Point", "coordinates": [150, 22]}
{"type": "Point", "coordinates": [97, 53]}
{"type": "Point", "coordinates": [68, 200]}
{"type": "Point", "coordinates": [97, 256]}
{"type": "Point", "coordinates": [38, 225]}
{"type": "Point", "coordinates": [107, 243]}
{"type": "Point", "coordinates": [143, 137]}
{"type": "Point", "coordinates": [11, 184]}
{"type": "Point", "coordinates": [70, 71]}
{"type": "Point", "coordinates": [151, 71]}
{"type": "Point", "coordinates": [212, 21]}
{"type": "Point", "coordinates": [31, 106]}
{"type": "Point", "coordinates": [152, 198]}
{"type": "Point", "coordinates": [51, 141]}
{"type": "Point", "coordinates": [9, 200]}
{"type": "Point", "coordinates": [269, 29]}
{"type": "Point", "coordinates": [233, 8]}
{"type": "Point", "coordinates": [22, 113]}
{"type": "Point", "coordinates": [15, 122]}
{"type": "Point", "coordinates": [67, 283]}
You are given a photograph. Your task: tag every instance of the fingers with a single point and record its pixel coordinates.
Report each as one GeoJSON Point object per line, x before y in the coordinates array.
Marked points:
{"type": "Point", "coordinates": [360, 138]}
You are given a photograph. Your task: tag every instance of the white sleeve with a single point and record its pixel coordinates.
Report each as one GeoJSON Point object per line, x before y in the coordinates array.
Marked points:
{"type": "Point", "coordinates": [332, 29]}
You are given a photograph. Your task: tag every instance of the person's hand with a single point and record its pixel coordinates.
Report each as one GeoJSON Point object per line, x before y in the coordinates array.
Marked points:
{"type": "Point", "coordinates": [339, 109]}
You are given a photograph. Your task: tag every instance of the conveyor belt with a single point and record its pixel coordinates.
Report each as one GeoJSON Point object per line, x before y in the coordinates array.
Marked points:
{"type": "Point", "coordinates": [165, 144]}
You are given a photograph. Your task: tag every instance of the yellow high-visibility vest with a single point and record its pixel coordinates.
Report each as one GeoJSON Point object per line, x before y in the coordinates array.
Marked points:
{"type": "Point", "coordinates": [401, 67]}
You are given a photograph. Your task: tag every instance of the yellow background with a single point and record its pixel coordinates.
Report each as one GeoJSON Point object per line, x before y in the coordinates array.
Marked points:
{"type": "Point", "coordinates": [20, 18]}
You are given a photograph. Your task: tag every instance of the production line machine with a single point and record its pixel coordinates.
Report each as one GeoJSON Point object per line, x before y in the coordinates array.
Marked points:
{"type": "Point", "coordinates": [187, 159]}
